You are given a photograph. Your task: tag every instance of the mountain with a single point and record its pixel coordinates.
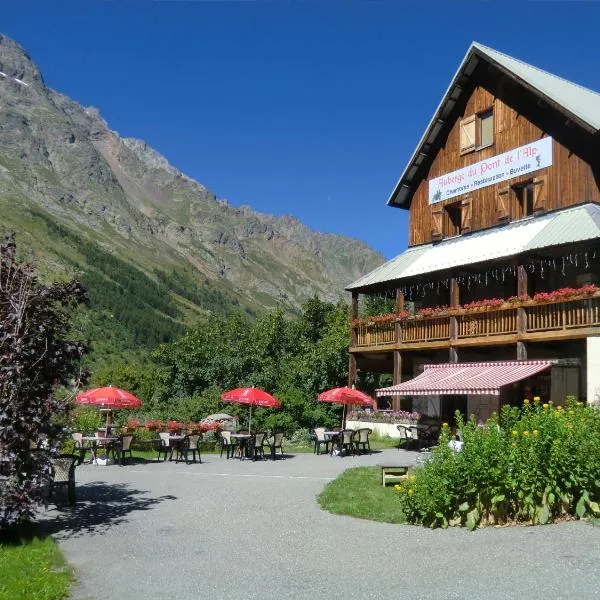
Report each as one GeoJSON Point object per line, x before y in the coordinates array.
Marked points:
{"type": "Point", "coordinates": [145, 238]}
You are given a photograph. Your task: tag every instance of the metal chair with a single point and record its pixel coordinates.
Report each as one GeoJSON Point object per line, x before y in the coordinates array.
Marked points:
{"type": "Point", "coordinates": [276, 443]}
{"type": "Point", "coordinates": [164, 445]}
{"type": "Point", "coordinates": [347, 441]}
{"type": "Point", "coordinates": [122, 446]}
{"type": "Point", "coordinates": [190, 444]}
{"type": "Point", "coordinates": [362, 439]}
{"type": "Point", "coordinates": [227, 444]}
{"type": "Point", "coordinates": [320, 439]}
{"type": "Point", "coordinates": [63, 475]}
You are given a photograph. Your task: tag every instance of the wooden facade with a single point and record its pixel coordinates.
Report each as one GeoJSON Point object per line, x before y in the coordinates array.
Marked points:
{"type": "Point", "coordinates": [523, 328]}
{"type": "Point", "coordinates": [570, 180]}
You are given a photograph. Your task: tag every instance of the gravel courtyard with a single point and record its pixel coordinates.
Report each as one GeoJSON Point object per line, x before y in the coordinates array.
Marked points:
{"type": "Point", "coordinates": [231, 529]}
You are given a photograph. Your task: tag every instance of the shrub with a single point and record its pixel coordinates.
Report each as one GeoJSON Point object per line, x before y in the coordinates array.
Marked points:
{"type": "Point", "coordinates": [536, 464]}
{"type": "Point", "coordinates": [35, 357]}
{"type": "Point", "coordinates": [397, 416]}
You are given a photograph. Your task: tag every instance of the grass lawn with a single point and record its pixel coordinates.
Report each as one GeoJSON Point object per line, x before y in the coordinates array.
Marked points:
{"type": "Point", "coordinates": [32, 568]}
{"type": "Point", "coordinates": [359, 493]}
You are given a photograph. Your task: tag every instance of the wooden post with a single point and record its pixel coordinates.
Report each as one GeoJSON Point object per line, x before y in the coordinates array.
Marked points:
{"type": "Point", "coordinates": [351, 370]}
{"type": "Point", "coordinates": [353, 316]}
{"type": "Point", "coordinates": [454, 302]}
{"type": "Point", "coordinates": [522, 290]}
{"type": "Point", "coordinates": [399, 309]}
{"type": "Point", "coordinates": [397, 378]}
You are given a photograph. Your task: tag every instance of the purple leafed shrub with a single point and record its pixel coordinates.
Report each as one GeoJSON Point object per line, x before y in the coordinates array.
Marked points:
{"type": "Point", "coordinates": [35, 357]}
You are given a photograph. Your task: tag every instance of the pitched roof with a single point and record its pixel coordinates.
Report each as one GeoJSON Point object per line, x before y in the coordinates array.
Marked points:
{"type": "Point", "coordinates": [577, 102]}
{"type": "Point", "coordinates": [574, 224]}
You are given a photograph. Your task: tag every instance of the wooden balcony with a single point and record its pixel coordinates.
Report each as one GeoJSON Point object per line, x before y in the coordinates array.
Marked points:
{"type": "Point", "coordinates": [572, 318]}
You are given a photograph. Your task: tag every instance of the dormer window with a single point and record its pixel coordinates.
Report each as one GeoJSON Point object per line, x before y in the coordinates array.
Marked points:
{"type": "Point", "coordinates": [477, 131]}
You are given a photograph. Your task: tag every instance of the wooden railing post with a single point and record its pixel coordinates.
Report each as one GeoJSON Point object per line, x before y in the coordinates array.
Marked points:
{"type": "Point", "coordinates": [454, 303]}
{"type": "Point", "coordinates": [353, 316]}
{"type": "Point", "coordinates": [522, 285]}
{"type": "Point", "coordinates": [399, 309]}
{"type": "Point", "coordinates": [397, 378]}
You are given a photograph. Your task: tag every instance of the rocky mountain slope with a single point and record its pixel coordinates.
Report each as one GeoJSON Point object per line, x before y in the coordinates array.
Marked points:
{"type": "Point", "coordinates": [82, 197]}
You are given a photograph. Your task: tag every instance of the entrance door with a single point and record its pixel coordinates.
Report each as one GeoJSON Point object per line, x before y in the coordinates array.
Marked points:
{"type": "Point", "coordinates": [450, 404]}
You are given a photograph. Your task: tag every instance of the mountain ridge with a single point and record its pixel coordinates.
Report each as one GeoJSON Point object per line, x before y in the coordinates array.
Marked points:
{"type": "Point", "coordinates": [61, 158]}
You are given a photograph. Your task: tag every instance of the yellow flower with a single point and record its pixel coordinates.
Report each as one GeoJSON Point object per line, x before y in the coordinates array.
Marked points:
{"type": "Point", "coordinates": [526, 401]}
{"type": "Point", "coordinates": [536, 432]}
{"type": "Point", "coordinates": [411, 477]}
{"type": "Point", "coordinates": [559, 408]}
{"type": "Point", "coordinates": [536, 398]}
{"type": "Point", "coordinates": [579, 403]}
{"type": "Point", "coordinates": [545, 406]}
{"type": "Point", "coordinates": [526, 432]}
{"type": "Point", "coordinates": [515, 432]}
{"type": "Point", "coordinates": [444, 425]}
{"type": "Point", "coordinates": [410, 491]}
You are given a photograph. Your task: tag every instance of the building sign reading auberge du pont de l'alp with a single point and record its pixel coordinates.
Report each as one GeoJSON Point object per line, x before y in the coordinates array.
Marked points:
{"type": "Point", "coordinates": [513, 163]}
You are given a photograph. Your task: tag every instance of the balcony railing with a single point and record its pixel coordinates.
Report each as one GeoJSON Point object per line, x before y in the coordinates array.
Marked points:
{"type": "Point", "coordinates": [571, 314]}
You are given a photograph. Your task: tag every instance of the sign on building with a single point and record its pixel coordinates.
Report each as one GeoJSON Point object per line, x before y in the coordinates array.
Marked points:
{"type": "Point", "coordinates": [514, 163]}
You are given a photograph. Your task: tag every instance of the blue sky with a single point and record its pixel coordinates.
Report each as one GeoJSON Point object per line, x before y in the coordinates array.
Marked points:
{"type": "Point", "coordinates": [303, 108]}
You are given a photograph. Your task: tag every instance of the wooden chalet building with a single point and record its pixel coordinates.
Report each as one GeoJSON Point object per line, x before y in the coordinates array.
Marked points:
{"type": "Point", "coordinates": [503, 192]}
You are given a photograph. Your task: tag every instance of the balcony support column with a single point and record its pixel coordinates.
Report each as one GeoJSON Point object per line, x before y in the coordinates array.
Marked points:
{"type": "Point", "coordinates": [399, 309]}
{"type": "Point", "coordinates": [351, 370]}
{"type": "Point", "coordinates": [354, 316]}
{"type": "Point", "coordinates": [454, 303]}
{"type": "Point", "coordinates": [522, 285]}
{"type": "Point", "coordinates": [397, 377]}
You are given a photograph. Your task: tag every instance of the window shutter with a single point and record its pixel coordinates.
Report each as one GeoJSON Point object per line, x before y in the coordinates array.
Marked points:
{"type": "Point", "coordinates": [502, 204]}
{"type": "Point", "coordinates": [466, 214]}
{"type": "Point", "coordinates": [467, 134]}
{"type": "Point", "coordinates": [539, 195]}
{"type": "Point", "coordinates": [436, 222]}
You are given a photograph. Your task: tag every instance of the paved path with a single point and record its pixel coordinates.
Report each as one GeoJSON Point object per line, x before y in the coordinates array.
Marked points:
{"type": "Point", "coordinates": [229, 529]}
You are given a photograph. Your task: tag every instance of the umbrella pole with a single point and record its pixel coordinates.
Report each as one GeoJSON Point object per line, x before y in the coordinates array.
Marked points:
{"type": "Point", "coordinates": [250, 421]}
{"type": "Point", "coordinates": [344, 416]}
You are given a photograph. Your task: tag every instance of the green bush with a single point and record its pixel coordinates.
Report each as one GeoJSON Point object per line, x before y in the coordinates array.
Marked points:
{"type": "Point", "coordinates": [536, 464]}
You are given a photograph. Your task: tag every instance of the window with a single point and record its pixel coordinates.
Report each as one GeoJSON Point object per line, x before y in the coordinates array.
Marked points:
{"type": "Point", "coordinates": [486, 128]}
{"type": "Point", "coordinates": [452, 215]}
{"type": "Point", "coordinates": [477, 131]}
{"type": "Point", "coordinates": [523, 202]}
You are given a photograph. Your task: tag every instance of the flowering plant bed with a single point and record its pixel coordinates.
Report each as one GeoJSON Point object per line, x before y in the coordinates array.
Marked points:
{"type": "Point", "coordinates": [392, 417]}
{"type": "Point", "coordinates": [154, 425]}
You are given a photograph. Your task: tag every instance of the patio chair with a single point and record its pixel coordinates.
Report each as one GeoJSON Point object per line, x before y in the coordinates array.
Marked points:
{"type": "Point", "coordinates": [406, 436]}
{"type": "Point", "coordinates": [256, 445]}
{"type": "Point", "coordinates": [122, 446]}
{"type": "Point", "coordinates": [227, 444]}
{"type": "Point", "coordinates": [164, 445]}
{"type": "Point", "coordinates": [362, 439]}
{"type": "Point", "coordinates": [416, 436]}
{"type": "Point", "coordinates": [63, 476]}
{"type": "Point", "coordinates": [347, 441]}
{"type": "Point", "coordinates": [190, 444]}
{"type": "Point", "coordinates": [276, 443]}
{"type": "Point", "coordinates": [320, 439]}
{"type": "Point", "coordinates": [79, 447]}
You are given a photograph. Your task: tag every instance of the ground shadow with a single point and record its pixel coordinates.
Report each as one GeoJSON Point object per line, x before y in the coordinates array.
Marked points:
{"type": "Point", "coordinates": [99, 507]}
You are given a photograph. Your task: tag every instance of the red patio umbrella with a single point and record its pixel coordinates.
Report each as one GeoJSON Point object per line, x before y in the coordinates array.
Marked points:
{"type": "Point", "coordinates": [109, 397]}
{"type": "Point", "coordinates": [251, 396]}
{"type": "Point", "coordinates": [345, 395]}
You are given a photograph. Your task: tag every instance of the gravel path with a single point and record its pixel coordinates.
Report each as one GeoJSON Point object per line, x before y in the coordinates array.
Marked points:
{"type": "Point", "coordinates": [231, 529]}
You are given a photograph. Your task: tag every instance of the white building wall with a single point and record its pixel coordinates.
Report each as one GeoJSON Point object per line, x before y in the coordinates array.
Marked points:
{"type": "Point", "coordinates": [593, 370]}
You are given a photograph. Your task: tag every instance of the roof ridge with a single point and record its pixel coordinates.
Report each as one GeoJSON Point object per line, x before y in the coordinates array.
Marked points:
{"type": "Point", "coordinates": [483, 47]}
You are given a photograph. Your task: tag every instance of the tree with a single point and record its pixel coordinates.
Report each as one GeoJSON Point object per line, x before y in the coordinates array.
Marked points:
{"type": "Point", "coordinates": [35, 358]}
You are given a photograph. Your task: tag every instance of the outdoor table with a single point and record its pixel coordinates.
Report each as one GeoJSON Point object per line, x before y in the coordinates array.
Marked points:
{"type": "Point", "coordinates": [175, 440]}
{"type": "Point", "coordinates": [243, 442]}
{"type": "Point", "coordinates": [94, 444]}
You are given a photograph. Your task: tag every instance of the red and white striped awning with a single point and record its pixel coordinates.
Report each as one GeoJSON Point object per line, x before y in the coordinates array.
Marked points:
{"type": "Point", "coordinates": [466, 378]}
